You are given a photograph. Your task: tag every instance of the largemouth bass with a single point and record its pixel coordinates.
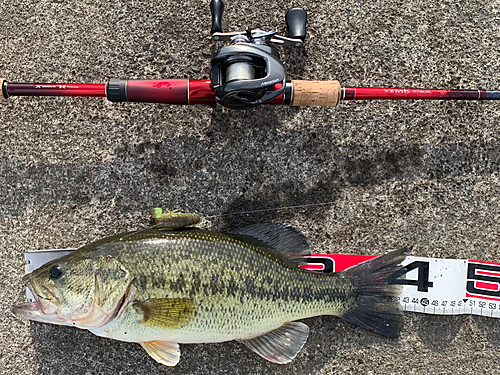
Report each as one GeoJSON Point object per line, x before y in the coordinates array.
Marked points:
{"type": "Point", "coordinates": [160, 287]}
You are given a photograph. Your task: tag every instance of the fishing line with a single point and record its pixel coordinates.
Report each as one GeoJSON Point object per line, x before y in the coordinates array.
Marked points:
{"type": "Point", "coordinates": [373, 198]}
{"type": "Point", "coordinates": [269, 209]}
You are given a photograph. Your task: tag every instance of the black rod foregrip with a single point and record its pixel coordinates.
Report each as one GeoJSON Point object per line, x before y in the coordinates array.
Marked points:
{"type": "Point", "coordinates": [296, 20]}
{"type": "Point", "coordinates": [216, 7]}
{"type": "Point", "coordinates": [116, 90]}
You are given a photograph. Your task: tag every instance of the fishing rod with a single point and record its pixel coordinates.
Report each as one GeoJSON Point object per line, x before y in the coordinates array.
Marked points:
{"type": "Point", "coordinates": [243, 75]}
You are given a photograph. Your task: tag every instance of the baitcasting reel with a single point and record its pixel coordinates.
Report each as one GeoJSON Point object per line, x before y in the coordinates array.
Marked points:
{"type": "Point", "coordinates": [249, 72]}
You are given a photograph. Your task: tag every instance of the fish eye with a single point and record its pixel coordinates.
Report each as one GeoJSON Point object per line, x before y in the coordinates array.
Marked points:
{"type": "Point", "coordinates": [56, 272]}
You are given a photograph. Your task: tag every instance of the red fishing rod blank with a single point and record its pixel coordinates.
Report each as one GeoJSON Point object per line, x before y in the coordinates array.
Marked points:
{"type": "Point", "coordinates": [189, 92]}
{"type": "Point", "coordinates": [370, 93]}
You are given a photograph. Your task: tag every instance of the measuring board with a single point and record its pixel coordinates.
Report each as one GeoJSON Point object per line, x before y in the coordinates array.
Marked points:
{"type": "Point", "coordinates": [429, 285]}
{"type": "Point", "coordinates": [433, 285]}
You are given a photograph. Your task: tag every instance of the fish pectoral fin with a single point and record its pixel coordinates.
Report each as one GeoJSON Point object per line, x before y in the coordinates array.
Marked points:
{"type": "Point", "coordinates": [281, 345]}
{"type": "Point", "coordinates": [165, 352]}
{"type": "Point", "coordinates": [166, 312]}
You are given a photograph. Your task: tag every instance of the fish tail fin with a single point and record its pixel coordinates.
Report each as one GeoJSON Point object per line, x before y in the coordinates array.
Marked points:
{"type": "Point", "coordinates": [374, 307]}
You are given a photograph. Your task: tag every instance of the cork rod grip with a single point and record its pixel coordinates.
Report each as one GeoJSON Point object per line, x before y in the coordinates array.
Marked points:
{"type": "Point", "coordinates": [306, 93]}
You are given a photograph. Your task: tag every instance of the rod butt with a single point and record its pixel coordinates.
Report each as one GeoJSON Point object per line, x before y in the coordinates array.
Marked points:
{"type": "Point", "coordinates": [3, 89]}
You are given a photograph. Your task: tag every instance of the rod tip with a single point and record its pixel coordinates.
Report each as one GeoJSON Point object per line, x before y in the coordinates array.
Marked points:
{"type": "Point", "coordinates": [2, 91]}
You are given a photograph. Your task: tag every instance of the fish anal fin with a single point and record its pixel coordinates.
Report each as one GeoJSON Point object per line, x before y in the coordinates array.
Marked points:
{"type": "Point", "coordinates": [166, 312]}
{"type": "Point", "coordinates": [280, 345]}
{"type": "Point", "coordinates": [165, 352]}
{"type": "Point", "coordinates": [284, 240]}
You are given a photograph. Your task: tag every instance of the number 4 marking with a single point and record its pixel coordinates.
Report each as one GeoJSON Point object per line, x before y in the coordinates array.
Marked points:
{"type": "Point", "coordinates": [423, 284]}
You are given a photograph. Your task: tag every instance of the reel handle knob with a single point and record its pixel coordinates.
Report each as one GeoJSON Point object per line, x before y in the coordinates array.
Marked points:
{"type": "Point", "coordinates": [296, 19]}
{"type": "Point", "coordinates": [216, 8]}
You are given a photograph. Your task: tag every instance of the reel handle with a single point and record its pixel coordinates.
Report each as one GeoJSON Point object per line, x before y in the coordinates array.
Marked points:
{"type": "Point", "coordinates": [296, 19]}
{"type": "Point", "coordinates": [216, 8]}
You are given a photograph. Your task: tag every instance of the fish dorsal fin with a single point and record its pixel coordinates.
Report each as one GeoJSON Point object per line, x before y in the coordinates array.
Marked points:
{"type": "Point", "coordinates": [166, 312]}
{"type": "Point", "coordinates": [165, 352]}
{"type": "Point", "coordinates": [286, 240]}
{"type": "Point", "coordinates": [281, 345]}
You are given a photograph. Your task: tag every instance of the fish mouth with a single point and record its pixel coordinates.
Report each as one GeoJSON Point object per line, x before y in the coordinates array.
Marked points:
{"type": "Point", "coordinates": [44, 308]}
{"type": "Point", "coordinates": [33, 311]}
{"type": "Point", "coordinates": [26, 309]}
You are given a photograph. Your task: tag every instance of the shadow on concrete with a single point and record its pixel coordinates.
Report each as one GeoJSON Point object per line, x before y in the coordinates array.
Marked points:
{"type": "Point", "coordinates": [436, 331]}
{"type": "Point", "coordinates": [223, 171]}
{"type": "Point", "coordinates": [67, 350]}
{"type": "Point", "coordinates": [490, 328]}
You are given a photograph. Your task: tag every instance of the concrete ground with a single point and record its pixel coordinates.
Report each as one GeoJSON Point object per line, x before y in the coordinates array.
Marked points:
{"type": "Point", "coordinates": [394, 174]}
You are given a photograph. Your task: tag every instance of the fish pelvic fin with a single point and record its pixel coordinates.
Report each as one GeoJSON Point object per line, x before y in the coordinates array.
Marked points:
{"type": "Point", "coordinates": [280, 345]}
{"type": "Point", "coordinates": [165, 352]}
{"type": "Point", "coordinates": [374, 307]}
